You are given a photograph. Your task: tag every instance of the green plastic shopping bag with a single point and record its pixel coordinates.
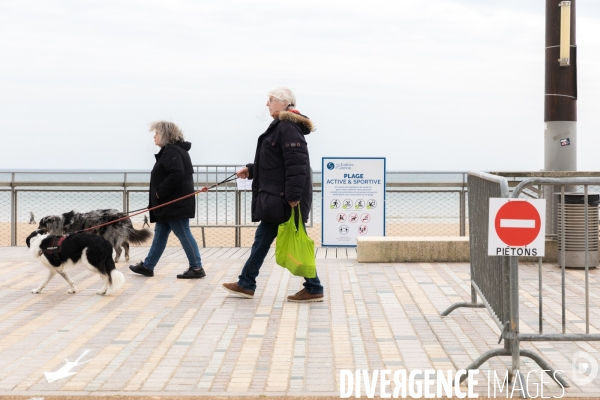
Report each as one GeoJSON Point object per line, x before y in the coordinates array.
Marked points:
{"type": "Point", "coordinates": [294, 250]}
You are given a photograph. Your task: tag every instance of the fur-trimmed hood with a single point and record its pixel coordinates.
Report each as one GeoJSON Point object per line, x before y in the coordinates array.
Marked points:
{"type": "Point", "coordinates": [297, 118]}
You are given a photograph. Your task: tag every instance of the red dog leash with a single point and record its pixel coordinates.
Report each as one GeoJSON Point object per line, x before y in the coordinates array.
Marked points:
{"type": "Point", "coordinates": [143, 210]}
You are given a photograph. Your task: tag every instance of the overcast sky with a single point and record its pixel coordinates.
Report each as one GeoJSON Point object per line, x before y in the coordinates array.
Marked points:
{"type": "Point", "coordinates": [431, 85]}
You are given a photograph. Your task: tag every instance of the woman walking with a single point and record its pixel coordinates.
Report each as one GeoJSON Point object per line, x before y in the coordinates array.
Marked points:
{"type": "Point", "coordinates": [170, 179]}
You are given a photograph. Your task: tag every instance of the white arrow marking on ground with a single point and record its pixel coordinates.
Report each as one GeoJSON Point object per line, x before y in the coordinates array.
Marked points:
{"type": "Point", "coordinates": [65, 370]}
{"type": "Point", "coordinates": [517, 223]}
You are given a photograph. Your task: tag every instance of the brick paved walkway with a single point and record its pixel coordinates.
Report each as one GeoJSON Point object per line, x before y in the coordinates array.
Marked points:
{"type": "Point", "coordinates": [165, 336]}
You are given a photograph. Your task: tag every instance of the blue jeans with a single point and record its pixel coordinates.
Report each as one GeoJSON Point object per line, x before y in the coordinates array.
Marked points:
{"type": "Point", "coordinates": [265, 234]}
{"type": "Point", "coordinates": [181, 229]}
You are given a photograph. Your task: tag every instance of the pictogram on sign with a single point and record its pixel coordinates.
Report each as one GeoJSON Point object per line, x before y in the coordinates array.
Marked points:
{"type": "Point", "coordinates": [517, 223]}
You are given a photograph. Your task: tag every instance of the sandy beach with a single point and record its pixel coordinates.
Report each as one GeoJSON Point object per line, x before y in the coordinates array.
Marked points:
{"type": "Point", "coordinates": [225, 237]}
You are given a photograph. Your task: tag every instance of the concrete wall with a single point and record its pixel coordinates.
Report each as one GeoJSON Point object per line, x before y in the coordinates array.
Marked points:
{"type": "Point", "coordinates": [426, 249]}
{"type": "Point", "coordinates": [412, 249]}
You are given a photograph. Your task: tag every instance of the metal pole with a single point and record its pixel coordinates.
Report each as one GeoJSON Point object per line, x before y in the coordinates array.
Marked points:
{"type": "Point", "coordinates": [125, 208]}
{"type": "Point", "coordinates": [462, 212]}
{"type": "Point", "coordinates": [541, 315]}
{"type": "Point", "coordinates": [560, 102]}
{"type": "Point", "coordinates": [244, 216]}
{"type": "Point", "coordinates": [206, 198]}
{"type": "Point", "coordinates": [16, 234]}
{"type": "Point", "coordinates": [197, 197]}
{"type": "Point", "coordinates": [463, 223]}
{"type": "Point", "coordinates": [238, 213]}
{"type": "Point", "coordinates": [312, 213]}
{"type": "Point", "coordinates": [514, 311]}
{"type": "Point", "coordinates": [587, 287]}
{"type": "Point", "coordinates": [540, 283]}
{"type": "Point", "coordinates": [13, 212]}
{"type": "Point", "coordinates": [226, 200]}
{"type": "Point", "coordinates": [506, 301]}
{"type": "Point", "coordinates": [562, 255]}
{"type": "Point", "coordinates": [216, 197]}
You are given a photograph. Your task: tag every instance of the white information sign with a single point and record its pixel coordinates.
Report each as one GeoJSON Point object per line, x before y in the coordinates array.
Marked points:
{"type": "Point", "coordinates": [517, 227]}
{"type": "Point", "coordinates": [353, 202]}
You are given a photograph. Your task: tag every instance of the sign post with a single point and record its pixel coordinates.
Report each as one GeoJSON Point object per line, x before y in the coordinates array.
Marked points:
{"type": "Point", "coordinates": [517, 227]}
{"type": "Point", "coordinates": [353, 202]}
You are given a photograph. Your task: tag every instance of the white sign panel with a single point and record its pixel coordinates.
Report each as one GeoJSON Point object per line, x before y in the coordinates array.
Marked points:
{"type": "Point", "coordinates": [353, 202]}
{"type": "Point", "coordinates": [517, 227]}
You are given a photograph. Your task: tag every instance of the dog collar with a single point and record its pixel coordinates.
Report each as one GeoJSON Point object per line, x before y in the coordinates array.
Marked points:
{"type": "Point", "coordinates": [53, 251]}
{"type": "Point", "coordinates": [56, 243]}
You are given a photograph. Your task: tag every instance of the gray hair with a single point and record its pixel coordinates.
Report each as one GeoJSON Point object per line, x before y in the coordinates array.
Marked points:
{"type": "Point", "coordinates": [284, 94]}
{"type": "Point", "coordinates": [169, 132]}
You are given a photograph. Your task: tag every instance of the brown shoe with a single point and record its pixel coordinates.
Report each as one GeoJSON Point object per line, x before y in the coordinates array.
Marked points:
{"type": "Point", "coordinates": [237, 289]}
{"type": "Point", "coordinates": [304, 297]}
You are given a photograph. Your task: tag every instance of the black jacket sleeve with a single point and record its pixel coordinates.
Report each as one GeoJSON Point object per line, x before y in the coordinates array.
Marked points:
{"type": "Point", "coordinates": [295, 160]}
{"type": "Point", "coordinates": [250, 170]}
{"type": "Point", "coordinates": [173, 163]}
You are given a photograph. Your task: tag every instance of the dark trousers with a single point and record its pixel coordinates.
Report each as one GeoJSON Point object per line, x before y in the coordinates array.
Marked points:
{"type": "Point", "coordinates": [264, 237]}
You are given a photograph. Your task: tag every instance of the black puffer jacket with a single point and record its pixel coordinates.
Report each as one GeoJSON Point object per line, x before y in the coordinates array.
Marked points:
{"type": "Point", "coordinates": [171, 178]}
{"type": "Point", "coordinates": [281, 169]}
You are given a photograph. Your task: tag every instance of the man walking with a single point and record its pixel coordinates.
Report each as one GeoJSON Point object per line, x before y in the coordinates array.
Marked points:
{"type": "Point", "coordinates": [280, 180]}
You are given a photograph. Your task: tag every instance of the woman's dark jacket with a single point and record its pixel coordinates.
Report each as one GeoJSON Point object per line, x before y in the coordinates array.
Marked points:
{"type": "Point", "coordinates": [171, 178]}
{"type": "Point", "coordinates": [281, 169]}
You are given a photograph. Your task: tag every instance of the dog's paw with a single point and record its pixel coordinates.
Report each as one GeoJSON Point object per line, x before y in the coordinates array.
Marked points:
{"type": "Point", "coordinates": [36, 291]}
{"type": "Point", "coordinates": [101, 292]}
{"type": "Point", "coordinates": [71, 291]}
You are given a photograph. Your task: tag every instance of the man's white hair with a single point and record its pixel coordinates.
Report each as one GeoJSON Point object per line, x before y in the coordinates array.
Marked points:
{"type": "Point", "coordinates": [284, 94]}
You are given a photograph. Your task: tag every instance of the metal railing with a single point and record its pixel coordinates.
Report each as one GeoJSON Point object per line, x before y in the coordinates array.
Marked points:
{"type": "Point", "coordinates": [418, 203]}
{"type": "Point", "coordinates": [496, 279]}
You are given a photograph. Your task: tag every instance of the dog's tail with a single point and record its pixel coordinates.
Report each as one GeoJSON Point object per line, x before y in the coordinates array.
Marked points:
{"type": "Point", "coordinates": [138, 236]}
{"type": "Point", "coordinates": [117, 280]}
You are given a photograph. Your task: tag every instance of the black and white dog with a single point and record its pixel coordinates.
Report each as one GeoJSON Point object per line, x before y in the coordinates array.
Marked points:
{"type": "Point", "coordinates": [119, 234]}
{"type": "Point", "coordinates": [57, 253]}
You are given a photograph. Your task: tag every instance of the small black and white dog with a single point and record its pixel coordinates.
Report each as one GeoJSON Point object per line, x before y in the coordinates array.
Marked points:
{"type": "Point", "coordinates": [57, 253]}
{"type": "Point", "coordinates": [119, 234]}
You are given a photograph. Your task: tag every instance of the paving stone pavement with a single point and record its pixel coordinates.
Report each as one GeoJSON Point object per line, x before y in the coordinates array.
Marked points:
{"type": "Point", "coordinates": [163, 336]}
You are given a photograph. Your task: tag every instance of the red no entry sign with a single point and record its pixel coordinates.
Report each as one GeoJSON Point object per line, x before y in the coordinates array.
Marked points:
{"type": "Point", "coordinates": [516, 227]}
{"type": "Point", "coordinates": [517, 223]}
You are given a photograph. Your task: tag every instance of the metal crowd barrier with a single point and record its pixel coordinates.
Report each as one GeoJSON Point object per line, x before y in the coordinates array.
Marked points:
{"type": "Point", "coordinates": [496, 279]}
